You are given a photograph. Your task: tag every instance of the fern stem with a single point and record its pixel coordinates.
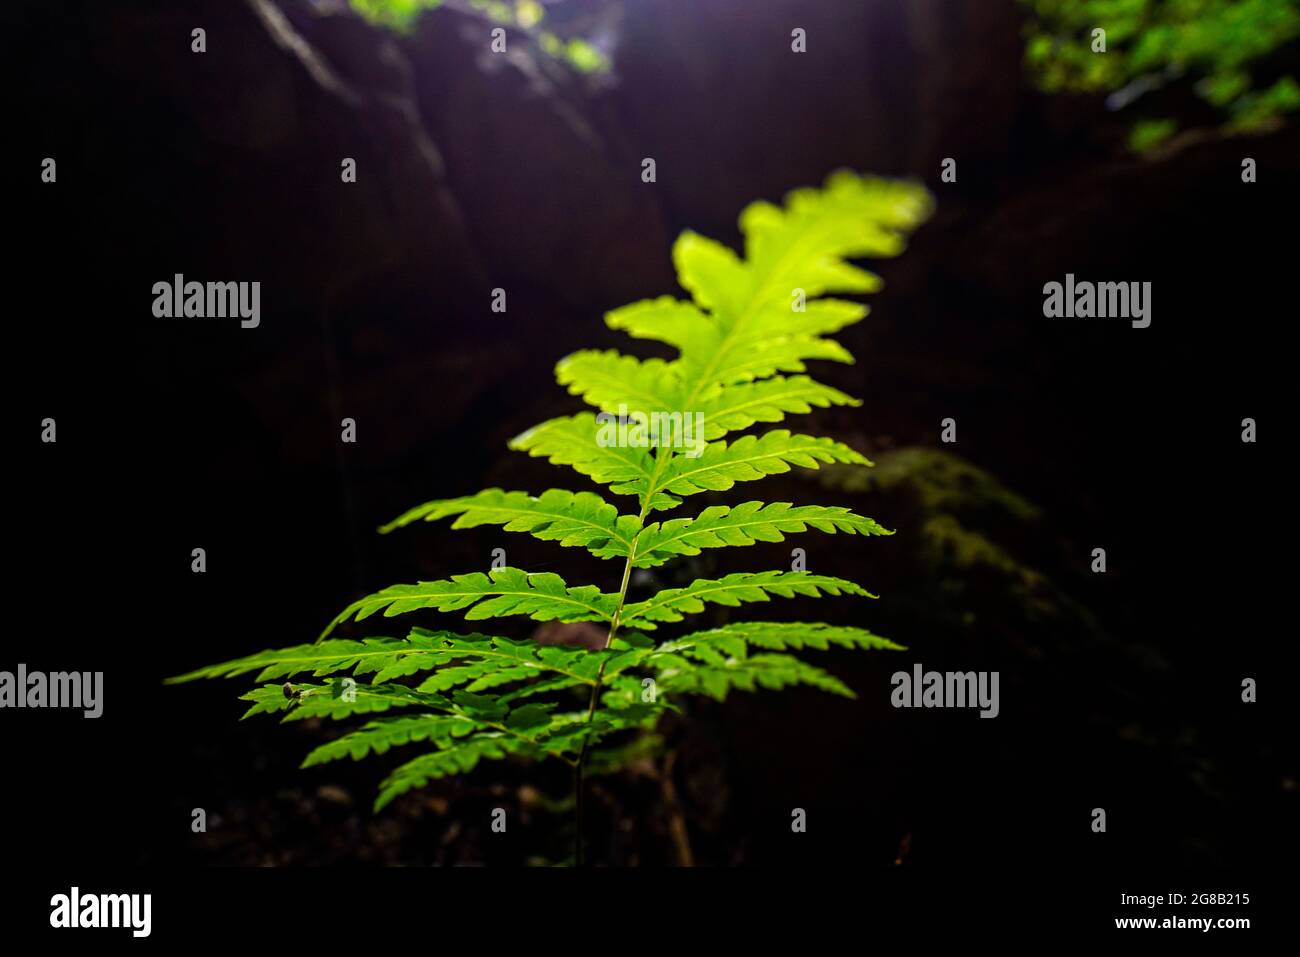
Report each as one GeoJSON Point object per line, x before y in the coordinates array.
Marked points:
{"type": "Point", "coordinates": [579, 784]}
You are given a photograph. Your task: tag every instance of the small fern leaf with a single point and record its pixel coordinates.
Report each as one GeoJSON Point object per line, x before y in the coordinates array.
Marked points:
{"type": "Point", "coordinates": [772, 339]}
{"type": "Point", "coordinates": [665, 319]}
{"type": "Point", "coordinates": [721, 526]}
{"type": "Point", "coordinates": [757, 307]}
{"type": "Point", "coordinates": [574, 441]}
{"type": "Point", "coordinates": [459, 757]}
{"type": "Point", "coordinates": [568, 732]}
{"type": "Point", "coordinates": [477, 676]}
{"type": "Point", "coordinates": [385, 658]}
{"type": "Point", "coordinates": [539, 687]}
{"type": "Point", "coordinates": [820, 317]}
{"type": "Point", "coordinates": [322, 658]}
{"type": "Point", "coordinates": [579, 664]}
{"type": "Point", "coordinates": [337, 700]}
{"type": "Point", "coordinates": [751, 457]}
{"type": "Point", "coordinates": [714, 275]}
{"type": "Point", "coordinates": [618, 383]}
{"type": "Point", "coordinates": [710, 357]}
{"type": "Point", "coordinates": [377, 737]}
{"type": "Point", "coordinates": [805, 243]}
{"type": "Point", "coordinates": [581, 519]}
{"type": "Point", "coordinates": [732, 640]}
{"type": "Point", "coordinates": [769, 671]}
{"type": "Point", "coordinates": [503, 591]}
{"type": "Point", "coordinates": [673, 603]}
{"type": "Point", "coordinates": [746, 361]}
{"type": "Point", "coordinates": [738, 407]}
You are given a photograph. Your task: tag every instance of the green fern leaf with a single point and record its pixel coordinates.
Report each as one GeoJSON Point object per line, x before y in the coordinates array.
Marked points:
{"type": "Point", "coordinates": [673, 603]}
{"type": "Point", "coordinates": [733, 639]}
{"type": "Point", "coordinates": [778, 346]}
{"type": "Point", "coordinates": [614, 382]}
{"type": "Point", "coordinates": [377, 737]}
{"type": "Point", "coordinates": [751, 457]}
{"type": "Point", "coordinates": [572, 440]}
{"type": "Point", "coordinates": [510, 659]}
{"type": "Point", "coordinates": [459, 757]}
{"type": "Point", "coordinates": [792, 255]}
{"type": "Point", "coordinates": [568, 733]}
{"type": "Point", "coordinates": [539, 687]}
{"type": "Point", "coordinates": [503, 591]}
{"type": "Point", "coordinates": [337, 700]}
{"type": "Point", "coordinates": [696, 333]}
{"type": "Point", "coordinates": [385, 658]}
{"type": "Point", "coordinates": [714, 275]}
{"type": "Point", "coordinates": [443, 730]}
{"type": "Point", "coordinates": [497, 661]}
{"type": "Point", "coordinates": [806, 243]}
{"type": "Point", "coordinates": [721, 526]}
{"type": "Point", "coordinates": [740, 406]}
{"type": "Point", "coordinates": [769, 671]}
{"type": "Point", "coordinates": [477, 676]}
{"type": "Point", "coordinates": [665, 319]}
{"type": "Point", "coordinates": [760, 358]}
{"type": "Point", "coordinates": [582, 519]}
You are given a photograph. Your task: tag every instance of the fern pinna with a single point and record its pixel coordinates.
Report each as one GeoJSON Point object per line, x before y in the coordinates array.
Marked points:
{"type": "Point", "coordinates": [742, 340]}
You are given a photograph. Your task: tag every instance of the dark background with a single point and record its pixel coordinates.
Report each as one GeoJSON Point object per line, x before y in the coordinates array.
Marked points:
{"type": "Point", "coordinates": [1119, 691]}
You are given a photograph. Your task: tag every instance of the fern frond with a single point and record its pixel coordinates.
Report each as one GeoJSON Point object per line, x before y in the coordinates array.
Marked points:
{"type": "Point", "coordinates": [715, 276]}
{"type": "Point", "coordinates": [770, 400]}
{"type": "Point", "coordinates": [499, 660]}
{"type": "Point", "coordinates": [569, 732]}
{"type": "Point", "coordinates": [795, 253]}
{"type": "Point", "coordinates": [572, 441]}
{"type": "Point", "coordinates": [750, 673]}
{"type": "Point", "coordinates": [743, 340]}
{"type": "Point", "coordinates": [609, 380]}
{"type": "Point", "coordinates": [762, 357]}
{"type": "Point", "coordinates": [751, 457]}
{"type": "Point", "coordinates": [542, 596]}
{"type": "Point", "coordinates": [778, 346]}
{"type": "Point", "coordinates": [539, 687]}
{"type": "Point", "coordinates": [377, 737]}
{"type": "Point", "coordinates": [458, 757]}
{"type": "Point", "coordinates": [672, 604]}
{"type": "Point", "coordinates": [806, 243]}
{"type": "Point", "coordinates": [665, 319]}
{"type": "Point", "coordinates": [477, 676]}
{"type": "Point", "coordinates": [385, 658]}
{"type": "Point", "coordinates": [732, 639]}
{"type": "Point", "coordinates": [721, 526]}
{"type": "Point", "coordinates": [581, 519]}
{"type": "Point", "coordinates": [822, 317]}
{"type": "Point", "coordinates": [337, 700]}
{"type": "Point", "coordinates": [529, 731]}
{"type": "Point", "coordinates": [513, 657]}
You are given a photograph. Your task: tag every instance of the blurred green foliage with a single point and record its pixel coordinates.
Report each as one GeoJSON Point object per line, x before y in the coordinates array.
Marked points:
{"type": "Point", "coordinates": [525, 14]}
{"type": "Point", "coordinates": [1214, 45]}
